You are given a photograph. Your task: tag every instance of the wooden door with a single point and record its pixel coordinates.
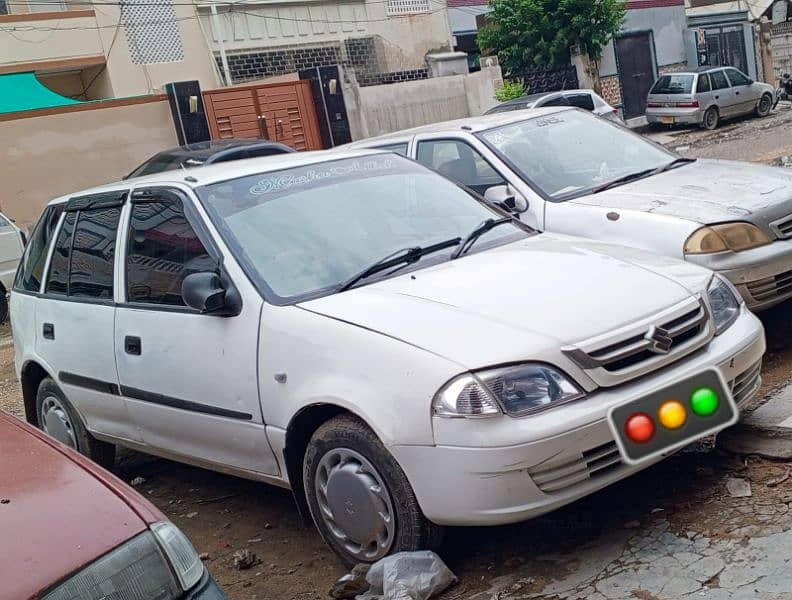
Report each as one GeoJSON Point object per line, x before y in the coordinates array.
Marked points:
{"type": "Point", "coordinates": [282, 112]}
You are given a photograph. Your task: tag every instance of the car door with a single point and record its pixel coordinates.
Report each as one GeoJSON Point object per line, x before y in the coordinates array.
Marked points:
{"type": "Point", "coordinates": [475, 167]}
{"type": "Point", "coordinates": [75, 313]}
{"type": "Point", "coordinates": [703, 90]}
{"type": "Point", "coordinates": [722, 93]}
{"type": "Point", "coordinates": [745, 95]}
{"type": "Point", "coordinates": [190, 379]}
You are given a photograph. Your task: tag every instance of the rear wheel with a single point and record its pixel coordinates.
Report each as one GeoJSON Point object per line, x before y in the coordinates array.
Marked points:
{"type": "Point", "coordinates": [711, 118]}
{"type": "Point", "coordinates": [764, 106]}
{"type": "Point", "coordinates": [360, 499]}
{"type": "Point", "coordinates": [57, 417]}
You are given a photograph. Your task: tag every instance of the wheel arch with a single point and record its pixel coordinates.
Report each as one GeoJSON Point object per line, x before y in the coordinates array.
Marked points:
{"type": "Point", "coordinates": [298, 435]}
{"type": "Point", "coordinates": [31, 376]}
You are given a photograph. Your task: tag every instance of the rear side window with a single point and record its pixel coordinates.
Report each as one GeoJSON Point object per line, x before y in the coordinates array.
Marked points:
{"type": "Point", "coordinates": [584, 101]}
{"type": "Point", "coordinates": [163, 250]}
{"type": "Point", "coordinates": [31, 267]}
{"type": "Point", "coordinates": [703, 84]}
{"type": "Point", "coordinates": [560, 101]}
{"type": "Point", "coordinates": [82, 261]}
{"type": "Point", "coordinates": [400, 148]}
{"type": "Point", "coordinates": [673, 84]}
{"type": "Point", "coordinates": [719, 81]}
{"type": "Point", "coordinates": [249, 153]}
{"type": "Point", "coordinates": [93, 253]}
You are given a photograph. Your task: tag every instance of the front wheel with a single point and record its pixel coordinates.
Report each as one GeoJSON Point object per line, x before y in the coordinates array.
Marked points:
{"type": "Point", "coordinates": [711, 119]}
{"type": "Point", "coordinates": [764, 106]}
{"type": "Point", "coordinates": [360, 499]}
{"type": "Point", "coordinates": [57, 417]}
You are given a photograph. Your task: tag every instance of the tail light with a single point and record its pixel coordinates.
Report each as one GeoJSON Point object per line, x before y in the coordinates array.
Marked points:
{"type": "Point", "coordinates": [654, 105]}
{"type": "Point", "coordinates": [693, 104]}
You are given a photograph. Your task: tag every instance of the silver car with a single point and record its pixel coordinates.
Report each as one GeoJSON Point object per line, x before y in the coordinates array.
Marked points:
{"type": "Point", "coordinates": [585, 99]}
{"type": "Point", "coordinates": [706, 96]}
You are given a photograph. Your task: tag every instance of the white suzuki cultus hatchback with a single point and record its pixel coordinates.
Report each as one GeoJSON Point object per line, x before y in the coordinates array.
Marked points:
{"type": "Point", "coordinates": [400, 354]}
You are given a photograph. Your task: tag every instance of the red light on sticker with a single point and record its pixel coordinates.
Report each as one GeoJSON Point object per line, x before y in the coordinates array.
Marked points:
{"type": "Point", "coordinates": [639, 428]}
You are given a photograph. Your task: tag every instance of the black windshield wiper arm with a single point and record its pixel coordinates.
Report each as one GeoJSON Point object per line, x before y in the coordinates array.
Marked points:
{"type": "Point", "coordinates": [404, 257]}
{"type": "Point", "coordinates": [675, 163]}
{"type": "Point", "coordinates": [480, 230]}
{"type": "Point", "coordinates": [622, 180]}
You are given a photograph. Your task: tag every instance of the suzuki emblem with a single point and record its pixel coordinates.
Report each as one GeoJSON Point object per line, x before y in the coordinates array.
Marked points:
{"type": "Point", "coordinates": [659, 340]}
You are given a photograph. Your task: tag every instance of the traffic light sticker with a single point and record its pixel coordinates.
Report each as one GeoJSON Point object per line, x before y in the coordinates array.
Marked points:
{"type": "Point", "coordinates": [673, 417]}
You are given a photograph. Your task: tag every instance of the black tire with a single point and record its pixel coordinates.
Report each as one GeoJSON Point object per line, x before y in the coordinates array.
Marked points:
{"type": "Point", "coordinates": [100, 452]}
{"type": "Point", "coordinates": [711, 119]}
{"type": "Point", "coordinates": [3, 306]}
{"type": "Point", "coordinates": [764, 106]}
{"type": "Point", "coordinates": [413, 531]}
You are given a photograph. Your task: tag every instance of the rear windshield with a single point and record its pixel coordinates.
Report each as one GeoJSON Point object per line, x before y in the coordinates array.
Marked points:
{"type": "Point", "coordinates": [673, 84]}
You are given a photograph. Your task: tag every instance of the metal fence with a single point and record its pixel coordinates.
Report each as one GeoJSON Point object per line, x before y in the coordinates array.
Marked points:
{"type": "Point", "coordinates": [781, 43]}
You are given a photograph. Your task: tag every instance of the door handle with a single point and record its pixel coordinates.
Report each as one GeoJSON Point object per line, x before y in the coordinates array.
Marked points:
{"type": "Point", "coordinates": [716, 97]}
{"type": "Point", "coordinates": [736, 93]}
{"type": "Point", "coordinates": [48, 331]}
{"type": "Point", "coordinates": [132, 345]}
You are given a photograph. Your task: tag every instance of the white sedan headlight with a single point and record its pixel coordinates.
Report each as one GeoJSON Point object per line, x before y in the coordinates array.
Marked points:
{"type": "Point", "coordinates": [737, 236]}
{"type": "Point", "coordinates": [160, 564]}
{"type": "Point", "coordinates": [724, 303]}
{"type": "Point", "coordinates": [515, 390]}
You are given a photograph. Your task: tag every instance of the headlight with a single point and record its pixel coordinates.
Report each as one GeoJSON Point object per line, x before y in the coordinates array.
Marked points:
{"type": "Point", "coordinates": [156, 565]}
{"type": "Point", "coordinates": [724, 303]}
{"type": "Point", "coordinates": [519, 390]}
{"type": "Point", "coordinates": [726, 236]}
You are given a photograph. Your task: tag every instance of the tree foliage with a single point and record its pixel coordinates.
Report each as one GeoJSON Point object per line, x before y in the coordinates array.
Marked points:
{"type": "Point", "coordinates": [539, 33]}
{"type": "Point", "coordinates": [511, 90]}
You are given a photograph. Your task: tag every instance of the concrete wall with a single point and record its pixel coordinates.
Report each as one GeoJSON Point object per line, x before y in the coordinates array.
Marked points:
{"type": "Point", "coordinates": [666, 23]}
{"type": "Point", "coordinates": [67, 150]}
{"type": "Point", "coordinates": [379, 109]}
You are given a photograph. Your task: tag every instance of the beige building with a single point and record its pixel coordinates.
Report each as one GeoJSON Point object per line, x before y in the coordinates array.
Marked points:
{"type": "Point", "coordinates": [108, 49]}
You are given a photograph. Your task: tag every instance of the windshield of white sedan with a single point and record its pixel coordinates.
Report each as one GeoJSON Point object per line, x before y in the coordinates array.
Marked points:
{"type": "Point", "coordinates": [572, 153]}
{"type": "Point", "coordinates": [308, 231]}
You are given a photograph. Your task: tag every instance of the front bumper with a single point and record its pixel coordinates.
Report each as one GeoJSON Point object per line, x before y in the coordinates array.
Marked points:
{"type": "Point", "coordinates": [503, 470]}
{"type": "Point", "coordinates": [685, 116]}
{"type": "Point", "coordinates": [763, 275]}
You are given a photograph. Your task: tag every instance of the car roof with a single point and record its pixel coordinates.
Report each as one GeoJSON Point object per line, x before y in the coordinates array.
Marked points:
{"type": "Point", "coordinates": [540, 95]}
{"type": "Point", "coordinates": [469, 124]}
{"type": "Point", "coordinates": [697, 71]}
{"type": "Point", "coordinates": [204, 175]}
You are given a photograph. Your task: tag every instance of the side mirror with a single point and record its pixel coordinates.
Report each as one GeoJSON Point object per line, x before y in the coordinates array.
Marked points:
{"type": "Point", "coordinates": [207, 293]}
{"type": "Point", "coordinates": [507, 198]}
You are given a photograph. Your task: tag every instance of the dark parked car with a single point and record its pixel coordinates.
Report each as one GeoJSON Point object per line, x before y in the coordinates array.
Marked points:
{"type": "Point", "coordinates": [72, 531]}
{"type": "Point", "coordinates": [206, 153]}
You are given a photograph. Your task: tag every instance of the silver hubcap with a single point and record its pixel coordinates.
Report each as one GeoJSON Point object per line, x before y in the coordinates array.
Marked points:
{"type": "Point", "coordinates": [355, 504]}
{"type": "Point", "coordinates": [55, 421]}
{"type": "Point", "coordinates": [764, 104]}
{"type": "Point", "coordinates": [711, 118]}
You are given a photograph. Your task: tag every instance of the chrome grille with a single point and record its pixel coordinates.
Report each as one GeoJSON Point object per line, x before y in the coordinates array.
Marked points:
{"type": "Point", "coordinates": [771, 288]}
{"type": "Point", "coordinates": [783, 227]}
{"type": "Point", "coordinates": [745, 385]}
{"type": "Point", "coordinates": [590, 464]}
{"type": "Point", "coordinates": [644, 346]}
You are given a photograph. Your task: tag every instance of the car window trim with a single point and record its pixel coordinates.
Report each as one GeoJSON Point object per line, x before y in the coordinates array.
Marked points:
{"type": "Point", "coordinates": [146, 194]}
{"type": "Point", "coordinates": [19, 275]}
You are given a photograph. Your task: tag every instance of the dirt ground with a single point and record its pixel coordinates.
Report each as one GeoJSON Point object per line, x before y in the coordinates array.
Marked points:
{"type": "Point", "coordinates": [223, 514]}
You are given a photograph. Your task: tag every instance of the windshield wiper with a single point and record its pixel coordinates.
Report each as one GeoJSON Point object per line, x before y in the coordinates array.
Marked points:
{"type": "Point", "coordinates": [677, 162]}
{"type": "Point", "coordinates": [404, 257]}
{"type": "Point", "coordinates": [623, 179]}
{"type": "Point", "coordinates": [480, 230]}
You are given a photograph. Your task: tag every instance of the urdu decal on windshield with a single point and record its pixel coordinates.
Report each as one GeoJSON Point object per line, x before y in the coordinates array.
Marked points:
{"type": "Point", "coordinates": [288, 180]}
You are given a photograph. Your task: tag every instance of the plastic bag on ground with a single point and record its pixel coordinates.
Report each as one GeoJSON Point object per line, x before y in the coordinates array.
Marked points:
{"type": "Point", "coordinates": [408, 576]}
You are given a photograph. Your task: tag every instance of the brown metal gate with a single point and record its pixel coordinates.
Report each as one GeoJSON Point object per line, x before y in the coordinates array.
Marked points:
{"type": "Point", "coordinates": [282, 112]}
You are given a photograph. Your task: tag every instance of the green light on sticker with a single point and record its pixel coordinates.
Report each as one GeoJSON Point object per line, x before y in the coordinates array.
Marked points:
{"type": "Point", "coordinates": [704, 402]}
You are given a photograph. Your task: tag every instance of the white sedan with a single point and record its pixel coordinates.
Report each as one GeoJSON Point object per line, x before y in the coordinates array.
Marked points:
{"type": "Point", "coordinates": [569, 172]}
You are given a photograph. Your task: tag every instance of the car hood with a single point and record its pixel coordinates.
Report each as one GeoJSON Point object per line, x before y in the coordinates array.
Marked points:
{"type": "Point", "coordinates": [519, 301]}
{"type": "Point", "coordinates": [56, 515]}
{"type": "Point", "coordinates": [707, 191]}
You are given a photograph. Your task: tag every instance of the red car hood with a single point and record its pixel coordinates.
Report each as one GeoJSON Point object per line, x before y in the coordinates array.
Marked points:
{"type": "Point", "coordinates": [58, 510]}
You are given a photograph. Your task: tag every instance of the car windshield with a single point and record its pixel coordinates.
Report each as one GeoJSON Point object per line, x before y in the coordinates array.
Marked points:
{"type": "Point", "coordinates": [304, 232]}
{"type": "Point", "coordinates": [673, 84]}
{"type": "Point", "coordinates": [571, 153]}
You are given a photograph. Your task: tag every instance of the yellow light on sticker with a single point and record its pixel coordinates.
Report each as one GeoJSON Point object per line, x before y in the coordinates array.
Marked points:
{"type": "Point", "coordinates": [672, 414]}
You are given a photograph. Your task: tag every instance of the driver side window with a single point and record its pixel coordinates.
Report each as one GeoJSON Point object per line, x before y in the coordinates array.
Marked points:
{"type": "Point", "coordinates": [737, 78]}
{"type": "Point", "coordinates": [460, 163]}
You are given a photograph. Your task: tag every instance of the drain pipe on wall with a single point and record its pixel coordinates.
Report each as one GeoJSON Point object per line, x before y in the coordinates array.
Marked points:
{"type": "Point", "coordinates": [218, 27]}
